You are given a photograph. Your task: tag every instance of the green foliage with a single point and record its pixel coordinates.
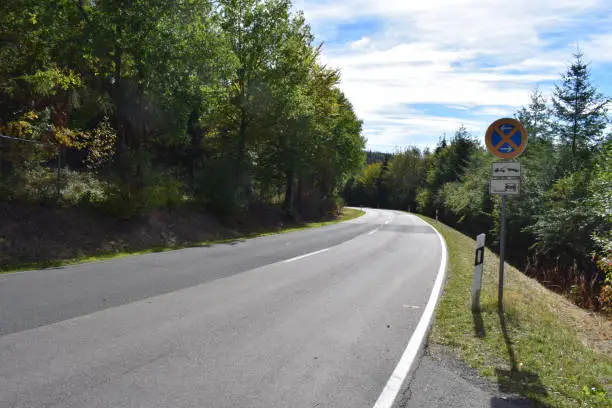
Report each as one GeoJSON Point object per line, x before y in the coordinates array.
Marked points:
{"type": "Point", "coordinates": [537, 118]}
{"type": "Point", "coordinates": [230, 93]}
{"type": "Point", "coordinates": [541, 336]}
{"type": "Point", "coordinates": [564, 227]}
{"type": "Point", "coordinates": [213, 187]}
{"type": "Point", "coordinates": [468, 200]}
{"type": "Point", "coordinates": [365, 190]}
{"type": "Point", "coordinates": [36, 185]}
{"type": "Point", "coordinates": [81, 188]}
{"type": "Point", "coordinates": [163, 191]}
{"type": "Point", "coordinates": [448, 164]}
{"type": "Point", "coordinates": [580, 113]}
{"type": "Point", "coordinates": [600, 203]}
{"type": "Point", "coordinates": [560, 227]}
{"type": "Point", "coordinates": [100, 144]}
{"type": "Point", "coordinates": [405, 177]}
{"type": "Point", "coordinates": [52, 81]}
{"type": "Point", "coordinates": [424, 201]}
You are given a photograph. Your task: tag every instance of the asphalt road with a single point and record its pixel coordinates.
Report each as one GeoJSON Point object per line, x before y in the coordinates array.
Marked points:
{"type": "Point", "coordinates": [255, 324]}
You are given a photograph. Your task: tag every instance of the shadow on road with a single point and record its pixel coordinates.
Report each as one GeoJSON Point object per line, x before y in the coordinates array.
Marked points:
{"type": "Point", "coordinates": [409, 229]}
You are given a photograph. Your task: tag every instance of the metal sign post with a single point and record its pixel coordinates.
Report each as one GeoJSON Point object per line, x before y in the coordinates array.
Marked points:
{"type": "Point", "coordinates": [502, 252]}
{"type": "Point", "coordinates": [506, 139]}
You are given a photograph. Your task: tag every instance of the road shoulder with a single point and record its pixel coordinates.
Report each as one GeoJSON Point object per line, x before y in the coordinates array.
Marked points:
{"type": "Point", "coordinates": [534, 348]}
{"type": "Point", "coordinates": [442, 380]}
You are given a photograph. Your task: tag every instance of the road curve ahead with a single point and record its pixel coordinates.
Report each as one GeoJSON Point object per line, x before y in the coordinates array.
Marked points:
{"type": "Point", "coordinates": [315, 318]}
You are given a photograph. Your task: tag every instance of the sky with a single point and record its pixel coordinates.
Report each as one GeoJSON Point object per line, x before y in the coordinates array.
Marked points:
{"type": "Point", "coordinates": [415, 70]}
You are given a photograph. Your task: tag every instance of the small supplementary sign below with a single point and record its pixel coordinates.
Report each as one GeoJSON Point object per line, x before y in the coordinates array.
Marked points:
{"type": "Point", "coordinates": [505, 186]}
{"type": "Point", "coordinates": [506, 169]}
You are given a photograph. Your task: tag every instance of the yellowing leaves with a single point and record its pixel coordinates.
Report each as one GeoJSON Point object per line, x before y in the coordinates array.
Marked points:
{"type": "Point", "coordinates": [32, 127]}
{"type": "Point", "coordinates": [23, 127]}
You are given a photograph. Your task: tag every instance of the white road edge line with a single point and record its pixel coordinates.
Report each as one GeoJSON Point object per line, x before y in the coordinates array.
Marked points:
{"type": "Point", "coordinates": [394, 385]}
{"type": "Point", "coordinates": [297, 258]}
{"type": "Point", "coordinates": [374, 231]}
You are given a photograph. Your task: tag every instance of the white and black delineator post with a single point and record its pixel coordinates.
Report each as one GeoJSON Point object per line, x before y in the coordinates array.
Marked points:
{"type": "Point", "coordinates": [478, 263]}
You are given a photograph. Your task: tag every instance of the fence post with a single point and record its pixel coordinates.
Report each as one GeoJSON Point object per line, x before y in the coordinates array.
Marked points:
{"type": "Point", "coordinates": [478, 264]}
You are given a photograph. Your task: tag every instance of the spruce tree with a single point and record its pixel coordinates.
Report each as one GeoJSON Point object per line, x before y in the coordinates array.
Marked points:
{"type": "Point", "coordinates": [536, 117]}
{"type": "Point", "coordinates": [580, 109]}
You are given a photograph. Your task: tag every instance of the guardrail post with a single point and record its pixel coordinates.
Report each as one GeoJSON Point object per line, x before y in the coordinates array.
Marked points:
{"type": "Point", "coordinates": [478, 263]}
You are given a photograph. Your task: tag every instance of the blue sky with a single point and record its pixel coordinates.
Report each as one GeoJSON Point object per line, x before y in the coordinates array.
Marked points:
{"type": "Point", "coordinates": [416, 69]}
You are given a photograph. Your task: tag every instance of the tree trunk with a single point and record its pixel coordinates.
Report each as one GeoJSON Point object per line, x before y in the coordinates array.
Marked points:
{"type": "Point", "coordinates": [197, 134]}
{"type": "Point", "coordinates": [300, 206]}
{"type": "Point", "coordinates": [288, 204]}
{"type": "Point", "coordinates": [239, 169]}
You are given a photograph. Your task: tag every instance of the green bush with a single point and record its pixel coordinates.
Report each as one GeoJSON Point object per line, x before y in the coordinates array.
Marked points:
{"type": "Point", "coordinates": [331, 205]}
{"type": "Point", "coordinates": [215, 188]}
{"type": "Point", "coordinates": [424, 201]}
{"type": "Point", "coordinates": [120, 202]}
{"type": "Point", "coordinates": [163, 191]}
{"type": "Point", "coordinates": [35, 185]}
{"type": "Point", "coordinates": [80, 188]}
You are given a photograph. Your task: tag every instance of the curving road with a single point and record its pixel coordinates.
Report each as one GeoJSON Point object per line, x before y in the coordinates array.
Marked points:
{"type": "Point", "coordinates": [314, 318]}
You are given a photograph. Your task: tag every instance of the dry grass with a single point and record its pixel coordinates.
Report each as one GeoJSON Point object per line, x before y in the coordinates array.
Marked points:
{"type": "Point", "coordinates": [593, 329]}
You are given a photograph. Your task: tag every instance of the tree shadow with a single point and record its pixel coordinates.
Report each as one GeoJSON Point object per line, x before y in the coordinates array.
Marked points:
{"type": "Point", "coordinates": [497, 402]}
{"type": "Point", "coordinates": [515, 381]}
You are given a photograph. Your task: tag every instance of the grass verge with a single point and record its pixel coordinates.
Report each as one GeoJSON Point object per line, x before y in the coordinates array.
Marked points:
{"type": "Point", "coordinates": [347, 215]}
{"type": "Point", "coordinates": [538, 349]}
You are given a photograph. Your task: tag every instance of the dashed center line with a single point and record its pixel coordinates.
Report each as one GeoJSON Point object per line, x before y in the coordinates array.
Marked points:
{"type": "Point", "coordinates": [297, 258]}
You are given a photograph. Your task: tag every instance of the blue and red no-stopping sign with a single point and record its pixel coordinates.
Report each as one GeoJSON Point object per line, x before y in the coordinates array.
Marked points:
{"type": "Point", "coordinates": [506, 138]}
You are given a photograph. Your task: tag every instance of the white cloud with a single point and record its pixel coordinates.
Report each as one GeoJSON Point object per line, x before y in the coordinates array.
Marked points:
{"type": "Point", "coordinates": [482, 55]}
{"type": "Point", "coordinates": [494, 111]}
{"type": "Point", "coordinates": [361, 43]}
{"type": "Point", "coordinates": [413, 130]}
{"type": "Point", "coordinates": [599, 48]}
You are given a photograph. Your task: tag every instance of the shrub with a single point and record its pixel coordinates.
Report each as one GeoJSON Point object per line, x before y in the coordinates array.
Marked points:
{"type": "Point", "coordinates": [216, 189]}
{"type": "Point", "coordinates": [163, 191]}
{"type": "Point", "coordinates": [331, 206]}
{"type": "Point", "coordinates": [80, 188]}
{"type": "Point", "coordinates": [605, 299]}
{"type": "Point", "coordinates": [35, 185]}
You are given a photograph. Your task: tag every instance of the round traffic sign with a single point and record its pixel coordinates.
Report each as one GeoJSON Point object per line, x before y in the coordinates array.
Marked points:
{"type": "Point", "coordinates": [506, 138]}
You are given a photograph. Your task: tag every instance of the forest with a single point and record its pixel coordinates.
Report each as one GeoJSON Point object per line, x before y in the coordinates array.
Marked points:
{"type": "Point", "coordinates": [560, 227]}
{"type": "Point", "coordinates": [128, 106]}
{"type": "Point", "coordinates": [131, 106]}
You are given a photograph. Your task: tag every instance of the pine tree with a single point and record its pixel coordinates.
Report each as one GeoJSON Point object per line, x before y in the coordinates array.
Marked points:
{"type": "Point", "coordinates": [580, 109]}
{"type": "Point", "coordinates": [536, 117]}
